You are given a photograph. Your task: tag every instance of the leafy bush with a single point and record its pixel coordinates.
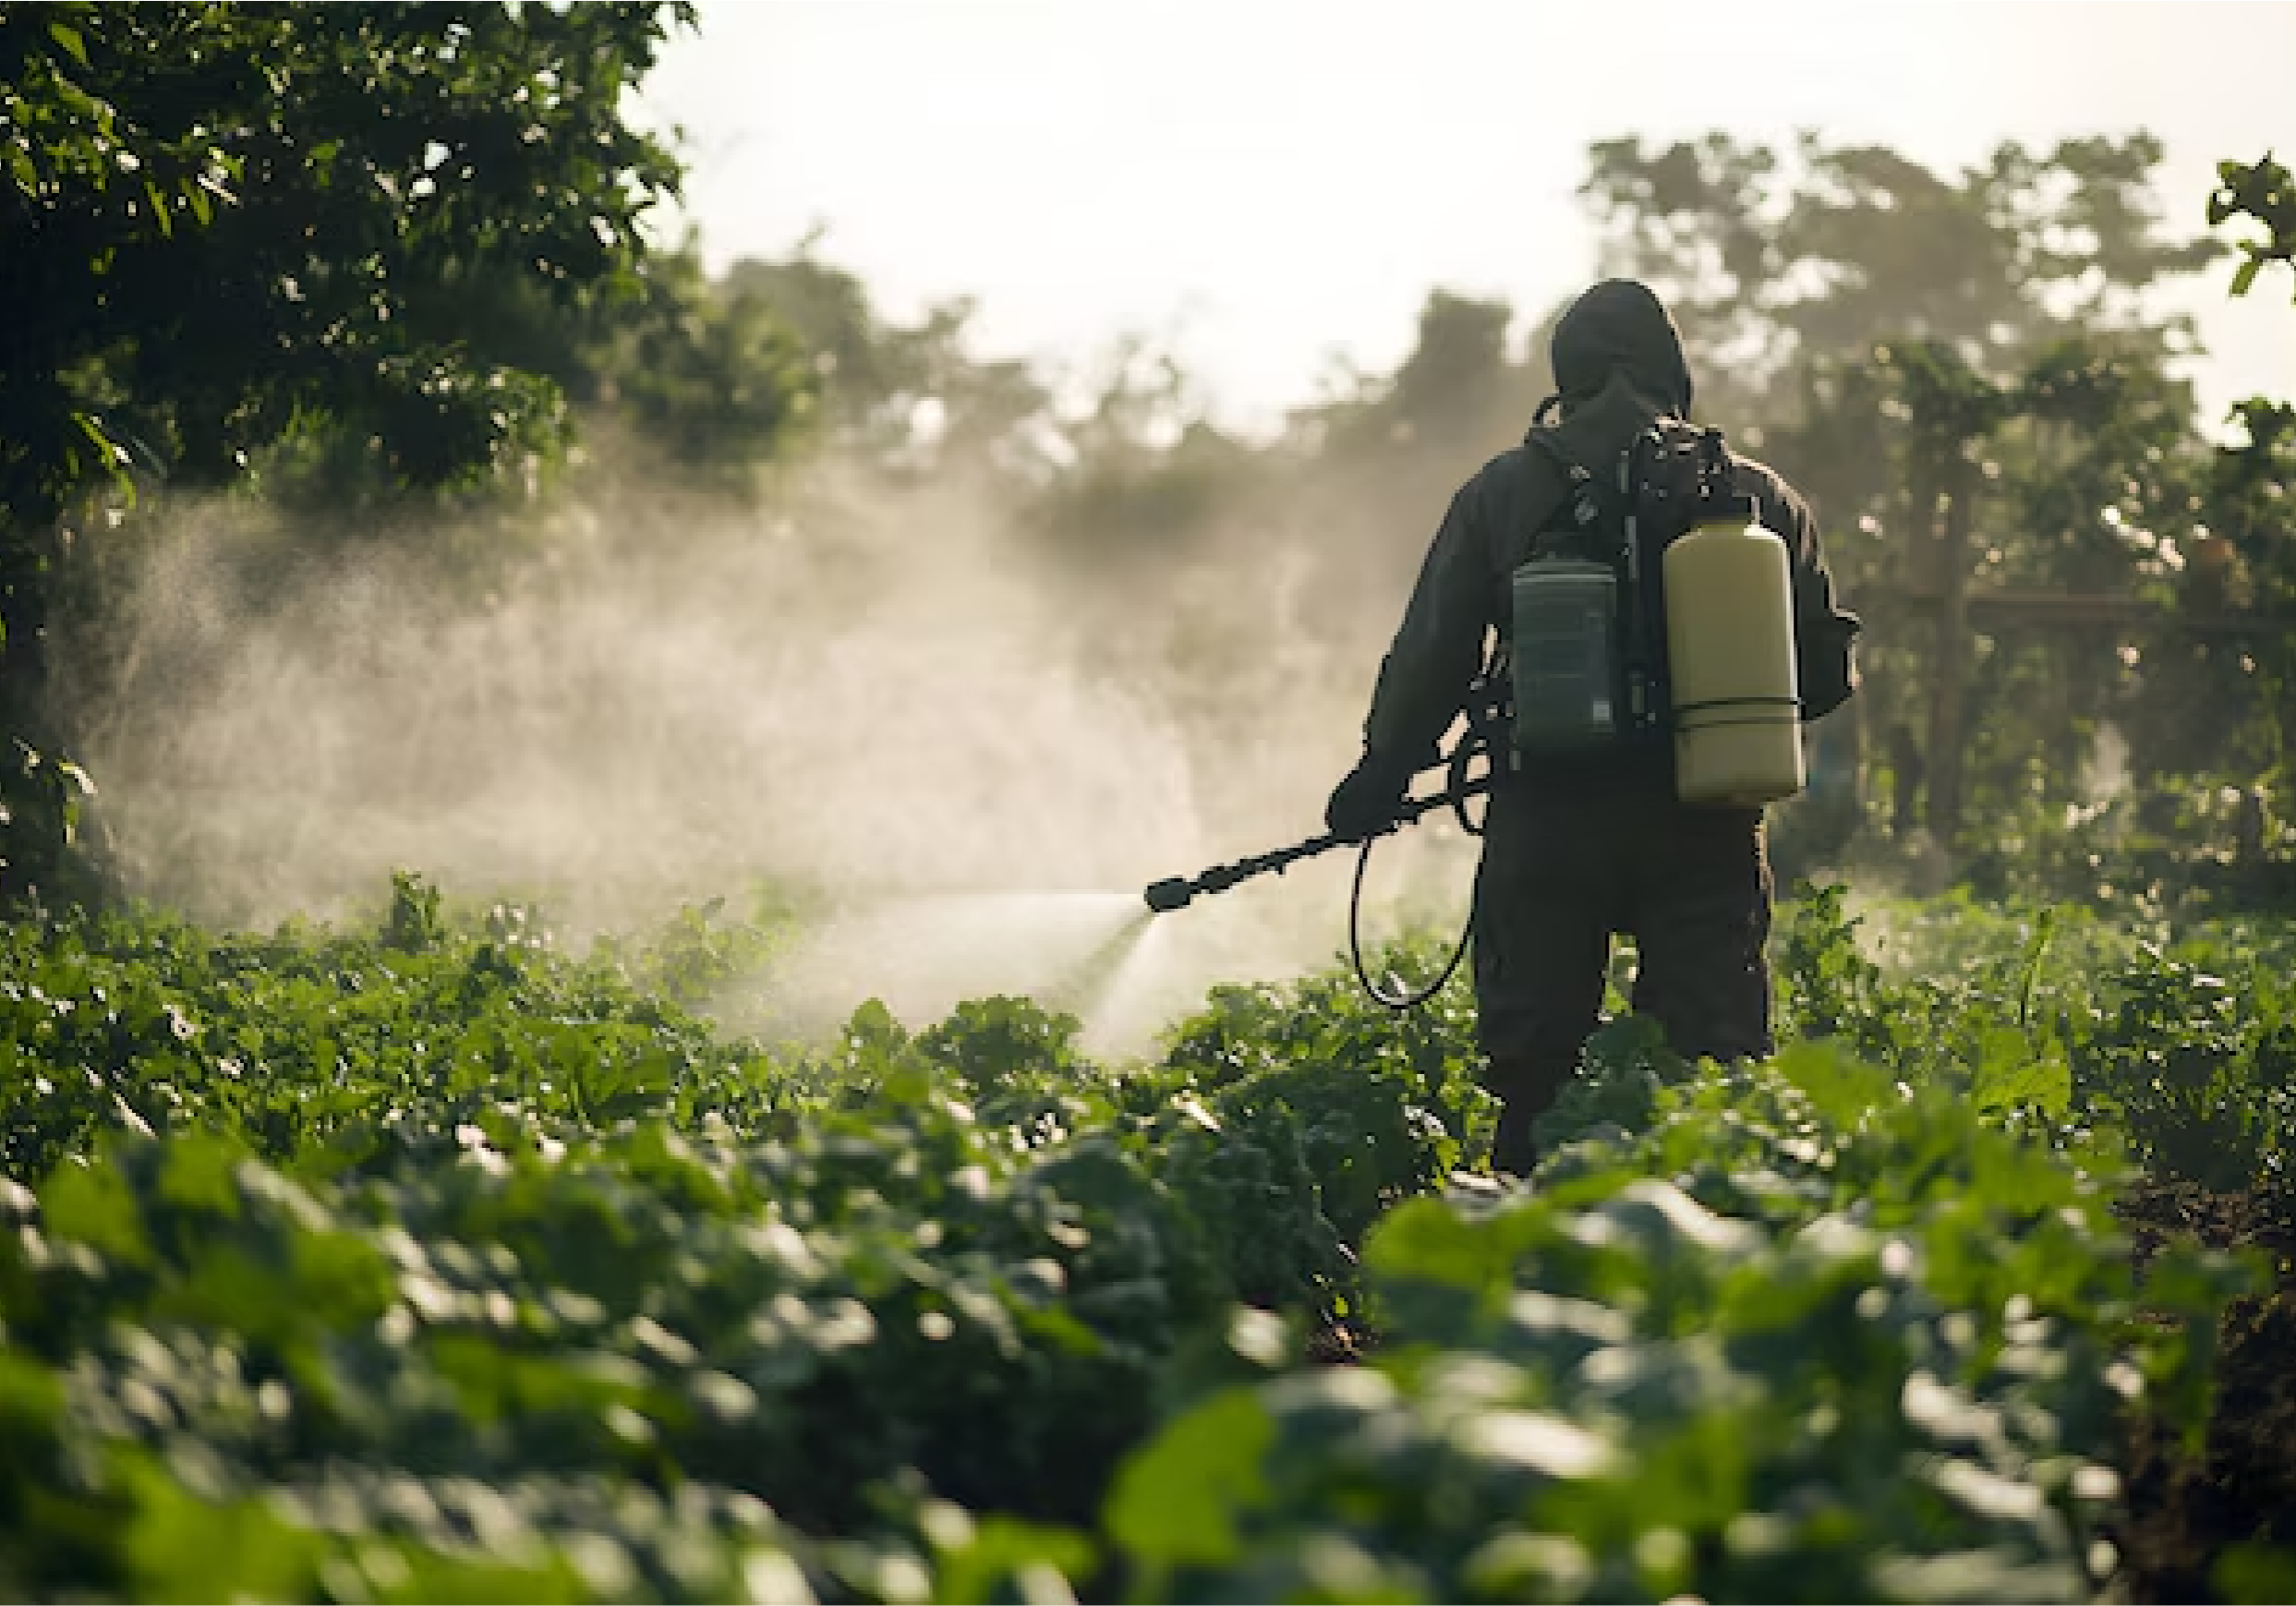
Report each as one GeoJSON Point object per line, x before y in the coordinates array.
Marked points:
{"type": "Point", "coordinates": [2179, 1045]}
{"type": "Point", "coordinates": [1809, 1337]}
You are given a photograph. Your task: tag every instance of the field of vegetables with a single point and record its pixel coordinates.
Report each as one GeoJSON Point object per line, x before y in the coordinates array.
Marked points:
{"type": "Point", "coordinates": [429, 1261]}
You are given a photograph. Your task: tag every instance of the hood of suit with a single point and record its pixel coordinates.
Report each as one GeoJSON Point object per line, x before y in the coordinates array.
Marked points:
{"type": "Point", "coordinates": [1619, 328]}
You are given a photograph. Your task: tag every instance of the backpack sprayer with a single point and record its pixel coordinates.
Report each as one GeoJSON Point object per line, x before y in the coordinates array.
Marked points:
{"type": "Point", "coordinates": [1703, 662]}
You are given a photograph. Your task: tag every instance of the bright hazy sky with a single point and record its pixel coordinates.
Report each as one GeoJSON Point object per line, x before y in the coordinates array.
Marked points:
{"type": "Point", "coordinates": [1261, 184]}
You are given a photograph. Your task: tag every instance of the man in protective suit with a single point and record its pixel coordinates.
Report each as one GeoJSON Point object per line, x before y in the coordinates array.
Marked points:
{"type": "Point", "coordinates": [1577, 850]}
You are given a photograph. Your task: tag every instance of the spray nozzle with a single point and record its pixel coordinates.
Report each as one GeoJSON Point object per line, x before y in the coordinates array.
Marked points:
{"type": "Point", "coordinates": [1173, 892]}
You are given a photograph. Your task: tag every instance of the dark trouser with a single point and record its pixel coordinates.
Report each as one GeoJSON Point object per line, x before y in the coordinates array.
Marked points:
{"type": "Point", "coordinates": [1560, 873]}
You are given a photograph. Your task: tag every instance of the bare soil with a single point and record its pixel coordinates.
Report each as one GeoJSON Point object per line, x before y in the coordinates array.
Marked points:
{"type": "Point", "coordinates": [2185, 1510]}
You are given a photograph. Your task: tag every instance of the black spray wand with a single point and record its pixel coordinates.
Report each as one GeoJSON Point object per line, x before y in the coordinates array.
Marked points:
{"type": "Point", "coordinates": [1484, 738]}
{"type": "Point", "coordinates": [1179, 891]}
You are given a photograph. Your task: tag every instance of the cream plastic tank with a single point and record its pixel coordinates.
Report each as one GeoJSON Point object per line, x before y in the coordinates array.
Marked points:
{"type": "Point", "coordinates": [1729, 664]}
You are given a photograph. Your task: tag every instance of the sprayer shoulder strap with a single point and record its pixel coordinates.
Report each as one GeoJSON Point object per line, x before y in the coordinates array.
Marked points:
{"type": "Point", "coordinates": [1587, 496]}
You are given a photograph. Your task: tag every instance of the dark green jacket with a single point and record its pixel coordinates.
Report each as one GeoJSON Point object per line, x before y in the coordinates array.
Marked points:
{"type": "Point", "coordinates": [1463, 590]}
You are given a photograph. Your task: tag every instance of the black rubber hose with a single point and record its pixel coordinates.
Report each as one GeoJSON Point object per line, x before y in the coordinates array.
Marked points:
{"type": "Point", "coordinates": [1477, 741]}
{"type": "Point", "coordinates": [1399, 1002]}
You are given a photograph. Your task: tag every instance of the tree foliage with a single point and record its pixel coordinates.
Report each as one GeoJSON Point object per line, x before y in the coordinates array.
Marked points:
{"type": "Point", "coordinates": [352, 192]}
{"type": "Point", "coordinates": [1770, 258]}
{"type": "Point", "coordinates": [2265, 191]}
{"type": "Point", "coordinates": [241, 225]}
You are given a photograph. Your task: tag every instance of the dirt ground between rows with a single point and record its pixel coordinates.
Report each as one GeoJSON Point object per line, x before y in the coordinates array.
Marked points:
{"type": "Point", "coordinates": [2184, 1512]}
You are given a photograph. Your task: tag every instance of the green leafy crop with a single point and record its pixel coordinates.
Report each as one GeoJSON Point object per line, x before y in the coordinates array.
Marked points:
{"type": "Point", "coordinates": [431, 1261]}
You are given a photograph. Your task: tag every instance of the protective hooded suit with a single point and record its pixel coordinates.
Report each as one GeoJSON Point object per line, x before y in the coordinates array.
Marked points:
{"type": "Point", "coordinates": [1577, 850]}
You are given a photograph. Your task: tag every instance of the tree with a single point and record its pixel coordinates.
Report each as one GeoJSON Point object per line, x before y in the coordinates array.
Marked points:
{"type": "Point", "coordinates": [1380, 461]}
{"type": "Point", "coordinates": [2251, 494]}
{"type": "Point", "coordinates": [711, 373]}
{"type": "Point", "coordinates": [907, 398]}
{"type": "Point", "coordinates": [2265, 191]}
{"type": "Point", "coordinates": [1770, 262]}
{"type": "Point", "coordinates": [240, 224]}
